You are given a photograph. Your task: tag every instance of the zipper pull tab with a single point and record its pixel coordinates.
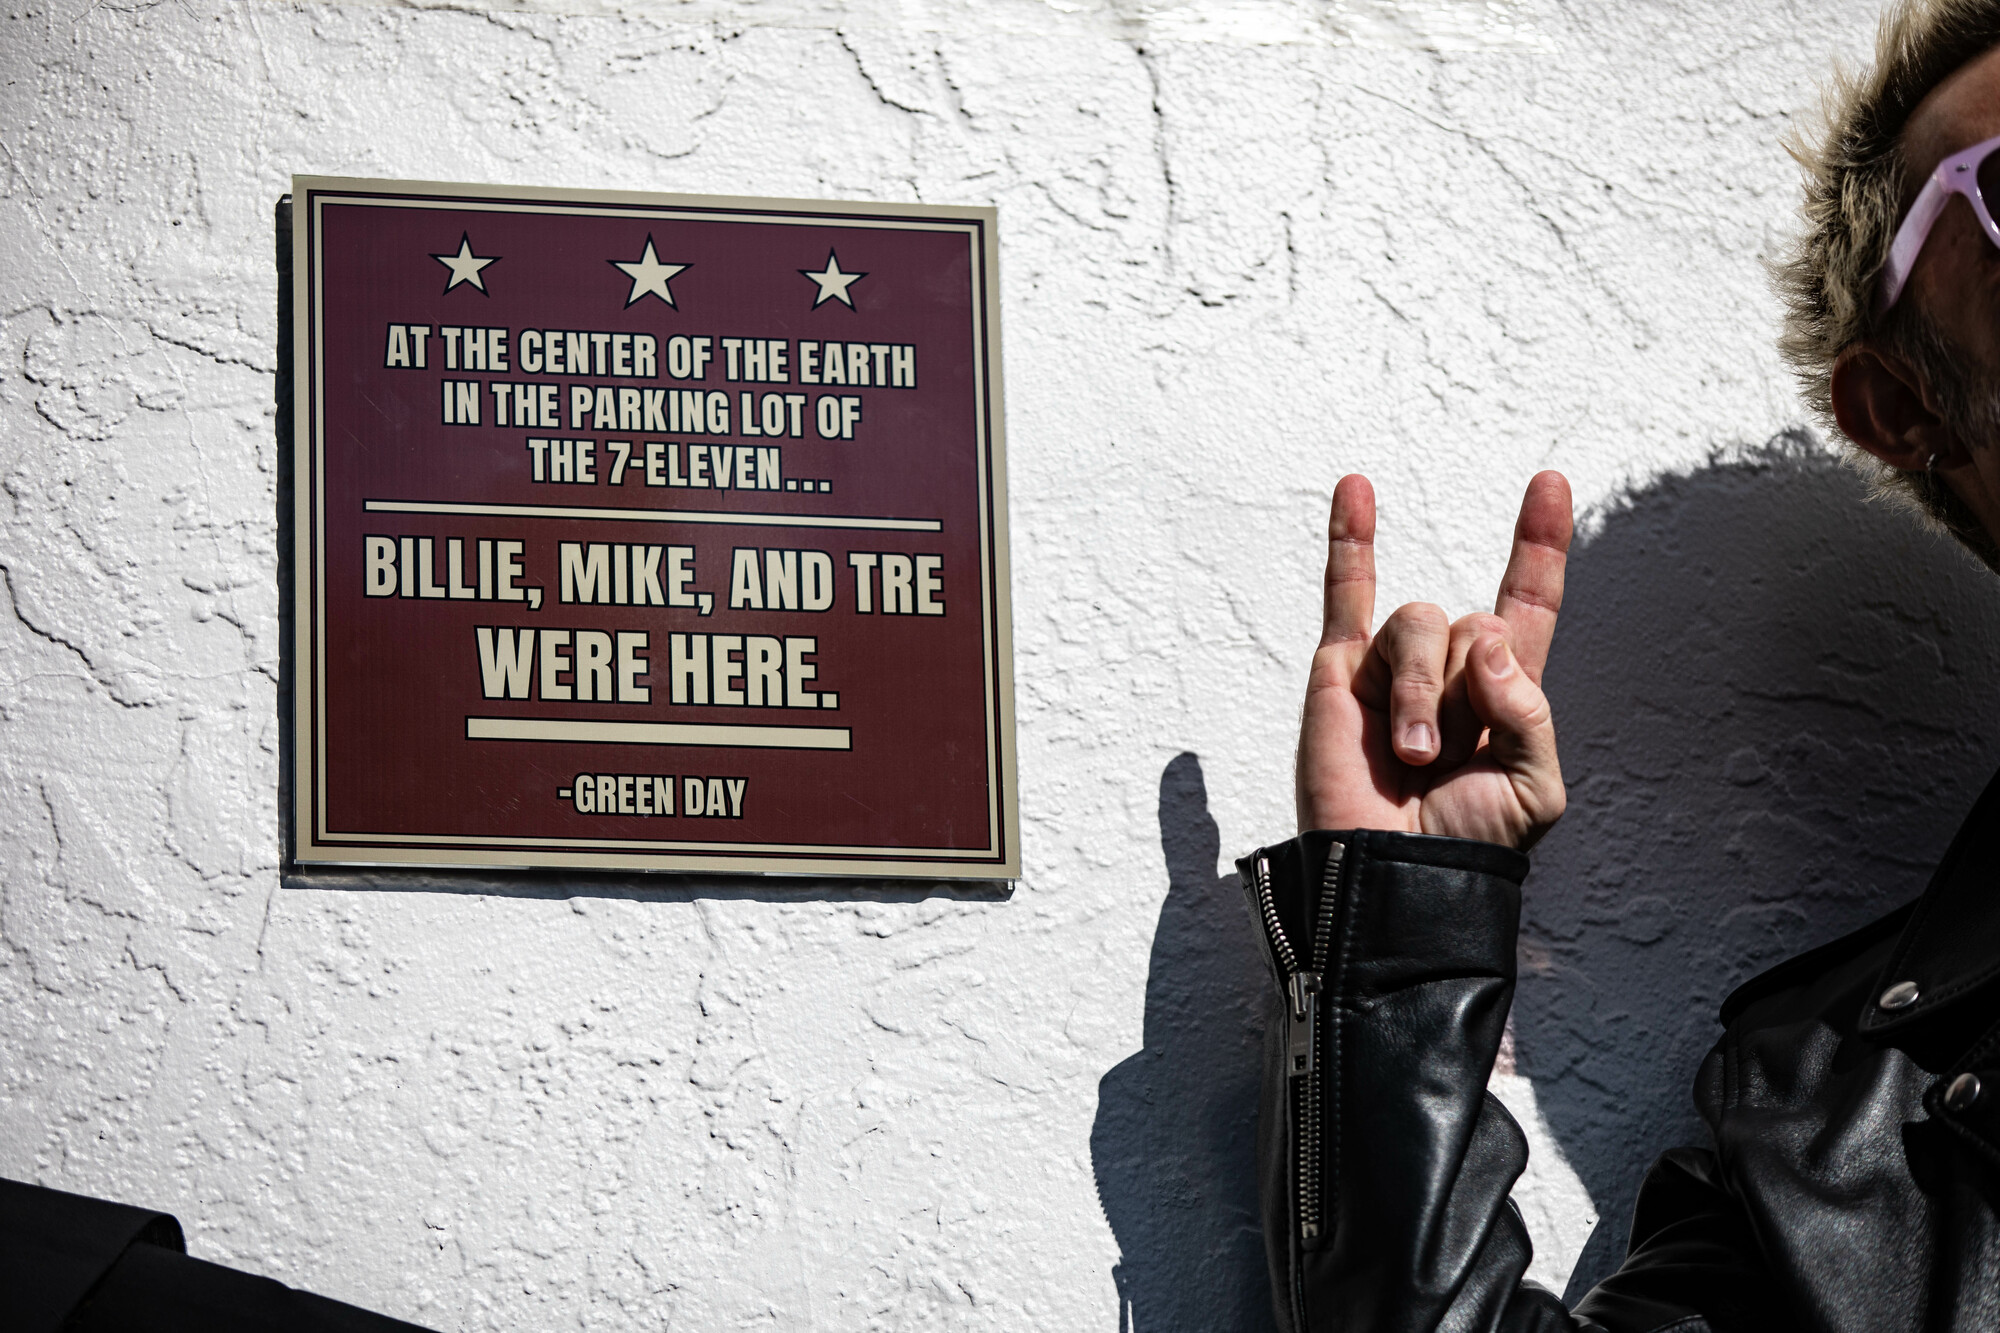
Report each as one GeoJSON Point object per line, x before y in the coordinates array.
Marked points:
{"type": "Point", "coordinates": [1302, 1041]}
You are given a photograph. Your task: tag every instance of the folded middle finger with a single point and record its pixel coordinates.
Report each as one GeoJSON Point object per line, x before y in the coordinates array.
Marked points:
{"type": "Point", "coordinates": [1405, 671]}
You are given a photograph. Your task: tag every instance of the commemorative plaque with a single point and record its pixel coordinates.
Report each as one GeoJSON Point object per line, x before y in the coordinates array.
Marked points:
{"type": "Point", "coordinates": [648, 532]}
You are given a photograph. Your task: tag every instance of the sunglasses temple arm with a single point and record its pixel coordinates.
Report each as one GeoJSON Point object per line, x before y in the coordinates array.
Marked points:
{"type": "Point", "coordinates": [1909, 243]}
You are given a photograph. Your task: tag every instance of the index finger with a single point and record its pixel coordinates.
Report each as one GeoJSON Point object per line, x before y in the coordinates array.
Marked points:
{"type": "Point", "coordinates": [1349, 609]}
{"type": "Point", "coordinates": [1531, 591]}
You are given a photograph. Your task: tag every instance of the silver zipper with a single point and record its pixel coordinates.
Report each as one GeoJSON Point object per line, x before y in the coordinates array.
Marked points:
{"type": "Point", "coordinates": [1303, 987]}
{"type": "Point", "coordinates": [1302, 1042]}
{"type": "Point", "coordinates": [1268, 904]}
{"type": "Point", "coordinates": [1305, 1030]}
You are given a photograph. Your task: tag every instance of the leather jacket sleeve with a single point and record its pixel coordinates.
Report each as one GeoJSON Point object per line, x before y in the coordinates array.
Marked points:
{"type": "Point", "coordinates": [1384, 1165]}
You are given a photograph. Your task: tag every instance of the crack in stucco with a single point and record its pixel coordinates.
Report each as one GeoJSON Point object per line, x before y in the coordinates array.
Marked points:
{"type": "Point", "coordinates": [868, 79]}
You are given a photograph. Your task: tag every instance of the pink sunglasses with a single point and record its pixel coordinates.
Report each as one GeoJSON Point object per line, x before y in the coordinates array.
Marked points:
{"type": "Point", "coordinates": [1974, 173]}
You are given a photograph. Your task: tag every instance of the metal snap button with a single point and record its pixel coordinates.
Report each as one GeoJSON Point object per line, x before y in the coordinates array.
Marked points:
{"type": "Point", "coordinates": [1962, 1093]}
{"type": "Point", "coordinates": [1899, 996]}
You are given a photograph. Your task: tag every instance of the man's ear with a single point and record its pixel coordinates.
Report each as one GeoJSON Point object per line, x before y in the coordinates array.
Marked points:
{"type": "Point", "coordinates": [1883, 406]}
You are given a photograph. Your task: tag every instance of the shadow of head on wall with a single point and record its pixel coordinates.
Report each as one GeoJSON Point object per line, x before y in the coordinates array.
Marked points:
{"type": "Point", "coordinates": [1176, 1123]}
{"type": "Point", "coordinates": [1775, 701]}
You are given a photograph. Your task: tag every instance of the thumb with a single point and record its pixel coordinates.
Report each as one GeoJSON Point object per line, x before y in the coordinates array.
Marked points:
{"type": "Point", "coordinates": [1521, 731]}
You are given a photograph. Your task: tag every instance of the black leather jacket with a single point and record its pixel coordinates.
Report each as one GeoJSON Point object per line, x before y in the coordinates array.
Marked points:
{"type": "Point", "coordinates": [1853, 1103]}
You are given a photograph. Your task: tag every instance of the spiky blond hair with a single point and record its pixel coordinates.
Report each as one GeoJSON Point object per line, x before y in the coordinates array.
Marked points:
{"type": "Point", "coordinates": [1855, 183]}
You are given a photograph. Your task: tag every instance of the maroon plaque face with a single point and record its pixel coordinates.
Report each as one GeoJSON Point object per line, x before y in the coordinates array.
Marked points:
{"type": "Point", "coordinates": [648, 531]}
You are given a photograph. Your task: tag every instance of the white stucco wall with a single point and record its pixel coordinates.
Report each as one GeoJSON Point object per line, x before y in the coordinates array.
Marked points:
{"type": "Point", "coordinates": [1246, 248]}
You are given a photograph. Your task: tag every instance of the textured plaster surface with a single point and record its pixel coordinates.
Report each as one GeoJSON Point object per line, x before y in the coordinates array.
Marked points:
{"type": "Point", "coordinates": [1245, 249]}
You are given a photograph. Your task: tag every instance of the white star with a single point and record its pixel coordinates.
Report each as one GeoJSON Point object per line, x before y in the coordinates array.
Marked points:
{"type": "Point", "coordinates": [465, 265]}
{"type": "Point", "coordinates": [649, 276]}
{"type": "Point", "coordinates": [833, 284]}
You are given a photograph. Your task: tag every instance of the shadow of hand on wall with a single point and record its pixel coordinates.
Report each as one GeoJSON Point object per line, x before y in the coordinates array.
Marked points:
{"type": "Point", "coordinates": [1775, 703]}
{"type": "Point", "coordinates": [1176, 1124]}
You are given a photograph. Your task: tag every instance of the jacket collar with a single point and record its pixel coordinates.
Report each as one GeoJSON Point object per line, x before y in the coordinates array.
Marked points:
{"type": "Point", "coordinates": [1951, 944]}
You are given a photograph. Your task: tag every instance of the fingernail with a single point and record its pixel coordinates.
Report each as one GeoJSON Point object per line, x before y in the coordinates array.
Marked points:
{"type": "Point", "coordinates": [1418, 738]}
{"type": "Point", "coordinates": [1498, 660]}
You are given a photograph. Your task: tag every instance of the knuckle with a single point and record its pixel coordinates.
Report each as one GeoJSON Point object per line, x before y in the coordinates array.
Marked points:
{"type": "Point", "coordinates": [1414, 691]}
{"type": "Point", "coordinates": [1478, 623]}
{"type": "Point", "coordinates": [1417, 674]}
{"type": "Point", "coordinates": [1527, 595]}
{"type": "Point", "coordinates": [1419, 616]}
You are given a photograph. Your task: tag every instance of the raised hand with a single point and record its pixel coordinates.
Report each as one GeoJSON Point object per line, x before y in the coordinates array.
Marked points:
{"type": "Point", "coordinates": [1429, 726]}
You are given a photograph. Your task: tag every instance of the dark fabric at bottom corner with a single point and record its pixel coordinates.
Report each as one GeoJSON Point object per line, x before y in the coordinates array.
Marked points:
{"type": "Point", "coordinates": [164, 1291]}
{"type": "Point", "coordinates": [55, 1246]}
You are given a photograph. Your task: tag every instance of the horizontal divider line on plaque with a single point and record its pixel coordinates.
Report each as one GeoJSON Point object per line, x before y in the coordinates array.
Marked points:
{"type": "Point", "coordinates": [655, 515]}
{"type": "Point", "coordinates": [723, 735]}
